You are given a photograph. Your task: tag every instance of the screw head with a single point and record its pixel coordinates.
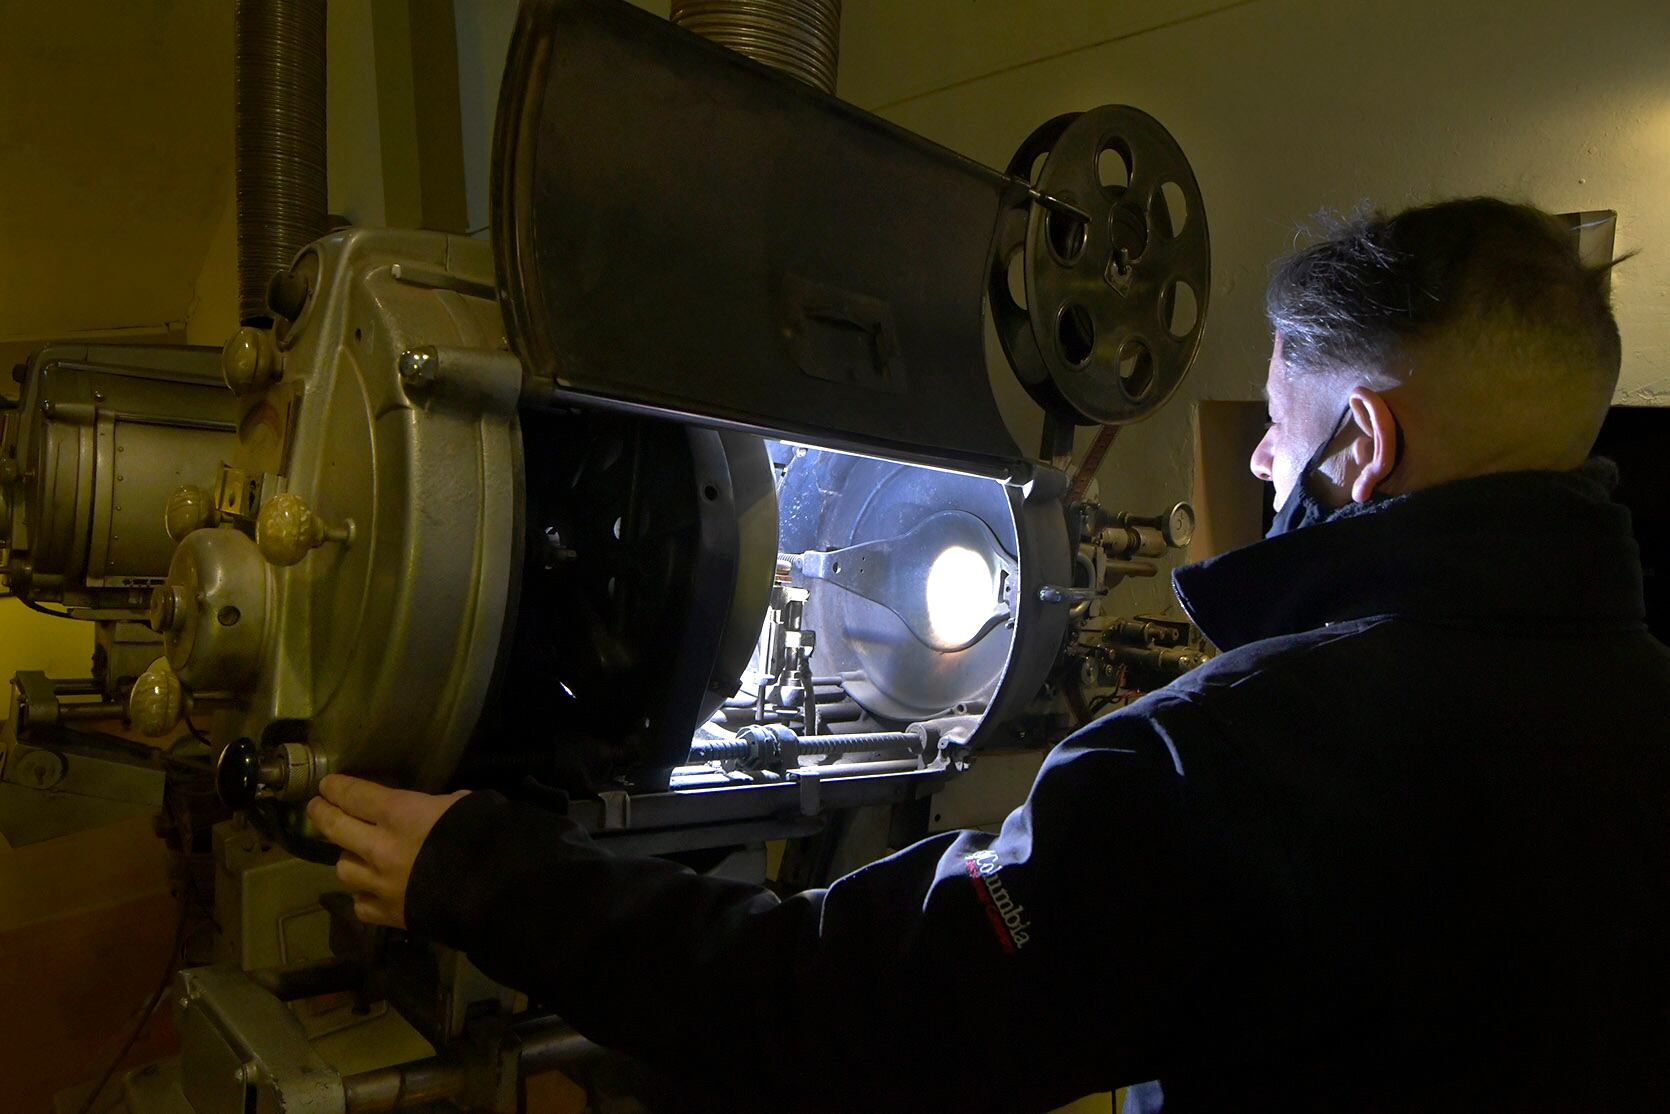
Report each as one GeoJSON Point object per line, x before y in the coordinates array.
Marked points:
{"type": "Point", "coordinates": [417, 367]}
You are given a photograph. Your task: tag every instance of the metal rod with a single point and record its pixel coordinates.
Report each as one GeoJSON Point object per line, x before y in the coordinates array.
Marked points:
{"type": "Point", "coordinates": [742, 717]}
{"type": "Point", "coordinates": [859, 741]}
{"type": "Point", "coordinates": [756, 745]}
{"type": "Point", "coordinates": [405, 1085]}
{"type": "Point", "coordinates": [845, 711]}
{"type": "Point", "coordinates": [856, 769]}
{"type": "Point", "coordinates": [104, 709]}
{"type": "Point", "coordinates": [546, 1044]}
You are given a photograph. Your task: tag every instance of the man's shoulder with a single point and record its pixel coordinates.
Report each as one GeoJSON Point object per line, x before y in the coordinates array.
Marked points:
{"type": "Point", "coordinates": [1229, 676]}
{"type": "Point", "coordinates": [1290, 677]}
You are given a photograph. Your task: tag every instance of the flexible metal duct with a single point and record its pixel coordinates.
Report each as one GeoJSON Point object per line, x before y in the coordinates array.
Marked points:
{"type": "Point", "coordinates": [799, 37]}
{"type": "Point", "coordinates": [282, 203]}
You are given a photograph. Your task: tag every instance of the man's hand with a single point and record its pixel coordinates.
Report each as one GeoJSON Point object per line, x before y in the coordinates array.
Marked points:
{"type": "Point", "coordinates": [379, 830]}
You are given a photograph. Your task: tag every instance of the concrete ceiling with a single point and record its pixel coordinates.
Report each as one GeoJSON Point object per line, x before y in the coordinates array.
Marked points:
{"type": "Point", "coordinates": [115, 160]}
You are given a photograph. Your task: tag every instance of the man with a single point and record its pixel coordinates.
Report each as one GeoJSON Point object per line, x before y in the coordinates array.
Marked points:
{"type": "Point", "coordinates": [1403, 845]}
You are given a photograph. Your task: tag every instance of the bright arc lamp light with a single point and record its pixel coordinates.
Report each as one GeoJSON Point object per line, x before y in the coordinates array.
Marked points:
{"type": "Point", "coordinates": [961, 593]}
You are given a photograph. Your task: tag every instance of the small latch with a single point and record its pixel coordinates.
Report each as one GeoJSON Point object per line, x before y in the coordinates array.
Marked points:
{"type": "Point", "coordinates": [841, 336]}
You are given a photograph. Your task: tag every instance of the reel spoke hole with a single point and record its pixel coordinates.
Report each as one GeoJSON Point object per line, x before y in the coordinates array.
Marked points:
{"type": "Point", "coordinates": [1015, 271]}
{"type": "Point", "coordinates": [1180, 311]}
{"type": "Point", "coordinates": [1067, 235]}
{"type": "Point", "coordinates": [1075, 333]}
{"type": "Point", "coordinates": [1113, 167]}
{"type": "Point", "coordinates": [1038, 166]}
{"type": "Point", "coordinates": [1171, 210]}
{"type": "Point", "coordinates": [1136, 369]}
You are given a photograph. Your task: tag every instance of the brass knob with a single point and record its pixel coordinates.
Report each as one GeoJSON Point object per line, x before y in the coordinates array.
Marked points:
{"type": "Point", "coordinates": [250, 360]}
{"type": "Point", "coordinates": [157, 700]}
{"type": "Point", "coordinates": [189, 508]}
{"type": "Point", "coordinates": [287, 529]}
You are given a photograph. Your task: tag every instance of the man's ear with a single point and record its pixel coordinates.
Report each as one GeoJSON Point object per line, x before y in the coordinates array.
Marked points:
{"type": "Point", "coordinates": [1373, 450]}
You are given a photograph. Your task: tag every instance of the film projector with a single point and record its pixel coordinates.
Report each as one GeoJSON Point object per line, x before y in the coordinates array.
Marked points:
{"type": "Point", "coordinates": [683, 504]}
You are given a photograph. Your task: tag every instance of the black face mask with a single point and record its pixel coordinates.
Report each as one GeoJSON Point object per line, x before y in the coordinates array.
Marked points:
{"type": "Point", "coordinates": [1302, 508]}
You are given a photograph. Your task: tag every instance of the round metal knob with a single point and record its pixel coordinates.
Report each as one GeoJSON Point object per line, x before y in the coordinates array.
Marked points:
{"type": "Point", "coordinates": [155, 704]}
{"type": "Point", "coordinates": [1179, 526]}
{"type": "Point", "coordinates": [250, 360]}
{"type": "Point", "coordinates": [286, 529]}
{"type": "Point", "coordinates": [170, 609]}
{"type": "Point", "coordinates": [287, 294]}
{"type": "Point", "coordinates": [238, 774]}
{"type": "Point", "coordinates": [189, 508]}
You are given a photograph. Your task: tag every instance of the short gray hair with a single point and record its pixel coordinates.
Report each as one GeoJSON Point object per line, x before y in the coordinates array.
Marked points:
{"type": "Point", "coordinates": [1501, 276]}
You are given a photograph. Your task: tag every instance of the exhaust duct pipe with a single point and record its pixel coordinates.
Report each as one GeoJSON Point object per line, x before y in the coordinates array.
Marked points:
{"type": "Point", "coordinates": [799, 37]}
{"type": "Point", "coordinates": [282, 204]}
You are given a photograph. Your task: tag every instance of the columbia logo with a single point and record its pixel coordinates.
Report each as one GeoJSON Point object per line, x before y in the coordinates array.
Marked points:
{"type": "Point", "coordinates": [1007, 918]}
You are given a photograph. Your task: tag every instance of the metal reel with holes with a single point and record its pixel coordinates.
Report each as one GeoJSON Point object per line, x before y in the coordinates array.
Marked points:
{"type": "Point", "coordinates": [1099, 294]}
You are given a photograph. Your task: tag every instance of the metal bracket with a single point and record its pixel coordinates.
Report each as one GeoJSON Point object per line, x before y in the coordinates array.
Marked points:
{"type": "Point", "coordinates": [617, 809]}
{"type": "Point", "coordinates": [242, 1049]}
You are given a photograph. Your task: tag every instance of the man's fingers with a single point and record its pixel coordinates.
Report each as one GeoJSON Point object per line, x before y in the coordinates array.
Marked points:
{"type": "Point", "coordinates": [371, 909]}
{"type": "Point", "coordinates": [356, 873]}
{"type": "Point", "coordinates": [365, 908]}
{"type": "Point", "coordinates": [345, 831]}
{"type": "Point", "coordinates": [359, 798]}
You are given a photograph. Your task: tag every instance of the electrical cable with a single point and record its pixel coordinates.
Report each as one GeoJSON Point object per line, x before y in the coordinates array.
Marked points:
{"type": "Point", "coordinates": [196, 734]}
{"type": "Point", "coordinates": [33, 606]}
{"type": "Point", "coordinates": [1101, 702]}
{"type": "Point", "coordinates": [195, 765]}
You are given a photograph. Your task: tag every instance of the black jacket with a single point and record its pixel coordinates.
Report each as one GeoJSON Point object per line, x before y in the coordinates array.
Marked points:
{"type": "Point", "coordinates": [1405, 844]}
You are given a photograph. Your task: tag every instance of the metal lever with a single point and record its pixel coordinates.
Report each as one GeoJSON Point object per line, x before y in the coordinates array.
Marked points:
{"type": "Point", "coordinates": [1054, 204]}
{"type": "Point", "coordinates": [948, 579]}
{"type": "Point", "coordinates": [1053, 593]}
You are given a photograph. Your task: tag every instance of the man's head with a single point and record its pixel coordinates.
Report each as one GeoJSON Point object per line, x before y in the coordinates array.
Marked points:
{"type": "Point", "coordinates": [1458, 339]}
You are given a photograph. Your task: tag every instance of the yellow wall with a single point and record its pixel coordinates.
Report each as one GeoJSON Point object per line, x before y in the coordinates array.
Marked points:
{"type": "Point", "coordinates": [60, 647]}
{"type": "Point", "coordinates": [117, 148]}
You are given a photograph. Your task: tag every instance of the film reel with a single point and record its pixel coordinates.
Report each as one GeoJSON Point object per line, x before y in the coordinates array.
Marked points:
{"type": "Point", "coordinates": [1105, 314]}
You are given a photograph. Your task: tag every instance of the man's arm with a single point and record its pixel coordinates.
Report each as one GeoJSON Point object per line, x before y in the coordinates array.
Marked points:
{"type": "Point", "coordinates": [976, 971]}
